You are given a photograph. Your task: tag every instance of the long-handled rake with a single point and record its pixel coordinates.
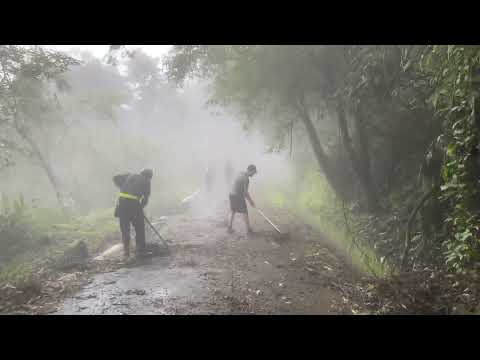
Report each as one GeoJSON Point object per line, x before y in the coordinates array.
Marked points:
{"type": "Point", "coordinates": [156, 232]}
{"type": "Point", "coordinates": [280, 235]}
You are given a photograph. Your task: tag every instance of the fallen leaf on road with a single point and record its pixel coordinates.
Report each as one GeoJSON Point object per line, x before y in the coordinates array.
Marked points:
{"type": "Point", "coordinates": [91, 296]}
{"type": "Point", "coordinates": [55, 285]}
{"type": "Point", "coordinates": [9, 286]}
{"type": "Point", "coordinates": [68, 277]}
{"type": "Point", "coordinates": [136, 292]}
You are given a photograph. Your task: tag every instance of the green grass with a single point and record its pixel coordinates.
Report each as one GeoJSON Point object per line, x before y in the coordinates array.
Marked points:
{"type": "Point", "coordinates": [278, 199]}
{"type": "Point", "coordinates": [94, 229]}
{"type": "Point", "coordinates": [42, 219]}
{"type": "Point", "coordinates": [317, 206]}
{"type": "Point", "coordinates": [363, 258]}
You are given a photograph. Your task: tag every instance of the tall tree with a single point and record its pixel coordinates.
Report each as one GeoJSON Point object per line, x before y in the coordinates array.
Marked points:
{"type": "Point", "coordinates": [296, 81]}
{"type": "Point", "coordinates": [30, 78]}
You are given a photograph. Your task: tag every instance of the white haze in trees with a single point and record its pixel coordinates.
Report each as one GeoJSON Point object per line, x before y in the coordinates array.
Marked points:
{"type": "Point", "coordinates": [116, 123]}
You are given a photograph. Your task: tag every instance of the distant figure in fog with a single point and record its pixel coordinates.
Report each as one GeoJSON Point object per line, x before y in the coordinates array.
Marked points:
{"type": "Point", "coordinates": [228, 173]}
{"type": "Point", "coordinates": [209, 179]}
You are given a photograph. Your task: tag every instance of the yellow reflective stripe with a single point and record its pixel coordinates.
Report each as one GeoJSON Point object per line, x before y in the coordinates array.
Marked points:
{"type": "Point", "coordinates": [128, 196]}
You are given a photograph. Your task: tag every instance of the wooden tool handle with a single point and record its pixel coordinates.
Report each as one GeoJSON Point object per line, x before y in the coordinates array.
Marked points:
{"type": "Point", "coordinates": [271, 223]}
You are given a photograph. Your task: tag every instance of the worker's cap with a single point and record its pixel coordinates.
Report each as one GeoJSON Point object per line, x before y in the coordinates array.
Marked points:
{"type": "Point", "coordinates": [252, 168]}
{"type": "Point", "coordinates": [147, 173]}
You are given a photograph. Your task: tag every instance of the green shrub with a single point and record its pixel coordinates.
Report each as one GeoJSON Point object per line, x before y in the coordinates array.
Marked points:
{"type": "Point", "coordinates": [43, 219]}
{"type": "Point", "coordinates": [16, 232]}
{"type": "Point", "coordinates": [316, 204]}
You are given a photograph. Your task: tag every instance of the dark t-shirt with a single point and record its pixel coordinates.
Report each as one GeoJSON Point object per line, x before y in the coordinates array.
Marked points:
{"type": "Point", "coordinates": [240, 185]}
{"type": "Point", "coordinates": [209, 176]}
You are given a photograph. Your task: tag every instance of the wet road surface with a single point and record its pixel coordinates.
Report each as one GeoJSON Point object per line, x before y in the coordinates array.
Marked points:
{"type": "Point", "coordinates": [210, 272]}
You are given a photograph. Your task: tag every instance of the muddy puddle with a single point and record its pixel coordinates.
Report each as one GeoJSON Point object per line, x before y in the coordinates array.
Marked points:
{"type": "Point", "coordinates": [159, 288]}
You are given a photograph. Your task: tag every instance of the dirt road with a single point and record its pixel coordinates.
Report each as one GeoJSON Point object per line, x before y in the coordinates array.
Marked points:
{"type": "Point", "coordinates": [212, 272]}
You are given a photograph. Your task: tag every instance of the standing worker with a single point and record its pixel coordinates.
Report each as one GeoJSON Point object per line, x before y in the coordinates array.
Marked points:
{"type": "Point", "coordinates": [238, 194]}
{"type": "Point", "coordinates": [134, 195]}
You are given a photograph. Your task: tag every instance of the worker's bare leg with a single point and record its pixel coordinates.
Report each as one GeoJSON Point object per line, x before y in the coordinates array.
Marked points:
{"type": "Point", "coordinates": [247, 223]}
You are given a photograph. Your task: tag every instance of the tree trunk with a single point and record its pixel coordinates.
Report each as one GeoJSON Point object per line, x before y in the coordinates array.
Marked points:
{"type": "Point", "coordinates": [362, 137]}
{"type": "Point", "coordinates": [320, 155]}
{"type": "Point", "coordinates": [361, 168]}
{"type": "Point", "coordinates": [46, 167]}
{"type": "Point", "coordinates": [364, 158]}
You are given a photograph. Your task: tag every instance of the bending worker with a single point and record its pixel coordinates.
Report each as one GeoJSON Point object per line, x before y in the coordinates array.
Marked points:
{"type": "Point", "coordinates": [134, 194]}
{"type": "Point", "coordinates": [238, 194]}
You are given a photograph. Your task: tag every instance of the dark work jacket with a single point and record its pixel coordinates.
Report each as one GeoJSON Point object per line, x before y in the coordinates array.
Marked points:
{"type": "Point", "coordinates": [134, 184]}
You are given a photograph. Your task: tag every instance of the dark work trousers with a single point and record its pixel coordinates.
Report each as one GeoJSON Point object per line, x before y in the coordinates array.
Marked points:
{"type": "Point", "coordinates": [130, 212]}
